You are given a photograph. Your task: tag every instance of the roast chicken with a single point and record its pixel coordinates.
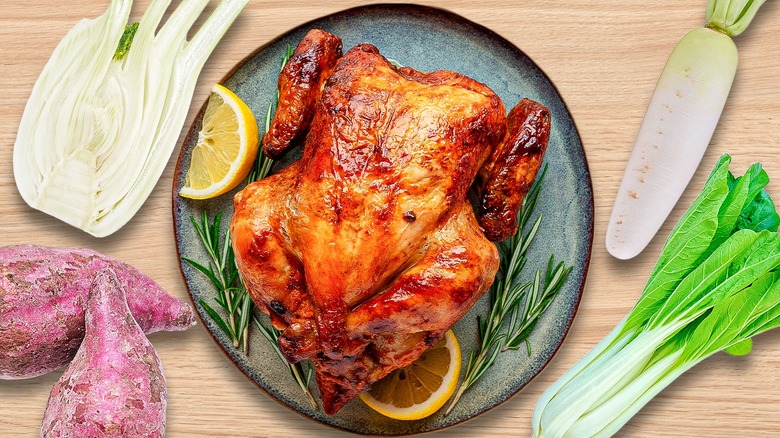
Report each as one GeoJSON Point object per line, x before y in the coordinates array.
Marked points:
{"type": "Point", "coordinates": [372, 244]}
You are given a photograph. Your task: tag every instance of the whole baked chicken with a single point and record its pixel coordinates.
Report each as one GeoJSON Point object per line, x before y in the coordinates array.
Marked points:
{"type": "Point", "coordinates": [367, 249]}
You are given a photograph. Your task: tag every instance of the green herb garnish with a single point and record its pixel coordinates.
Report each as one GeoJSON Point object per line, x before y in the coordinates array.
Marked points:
{"type": "Point", "coordinates": [515, 306]}
{"type": "Point", "coordinates": [221, 270]}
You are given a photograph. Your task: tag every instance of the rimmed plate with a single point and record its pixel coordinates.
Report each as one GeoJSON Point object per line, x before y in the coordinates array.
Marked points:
{"type": "Point", "coordinates": [426, 39]}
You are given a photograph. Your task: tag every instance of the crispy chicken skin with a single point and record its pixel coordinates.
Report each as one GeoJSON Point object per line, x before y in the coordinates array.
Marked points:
{"type": "Point", "coordinates": [367, 250]}
{"type": "Point", "coordinates": [506, 177]}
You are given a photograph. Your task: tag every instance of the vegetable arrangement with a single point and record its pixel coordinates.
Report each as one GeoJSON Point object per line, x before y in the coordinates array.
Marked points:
{"type": "Point", "coordinates": [107, 110]}
{"type": "Point", "coordinates": [63, 304]}
{"type": "Point", "coordinates": [716, 285]}
{"type": "Point", "coordinates": [115, 385]}
{"type": "Point", "coordinates": [43, 293]}
{"type": "Point", "coordinates": [678, 125]}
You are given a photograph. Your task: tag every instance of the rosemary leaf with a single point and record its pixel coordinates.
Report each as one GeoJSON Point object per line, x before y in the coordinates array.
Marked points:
{"type": "Point", "coordinates": [247, 308]}
{"type": "Point", "coordinates": [206, 271]}
{"type": "Point", "coordinates": [215, 316]}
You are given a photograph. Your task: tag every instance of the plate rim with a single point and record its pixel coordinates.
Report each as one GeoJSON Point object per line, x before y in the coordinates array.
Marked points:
{"type": "Point", "coordinates": [409, 9]}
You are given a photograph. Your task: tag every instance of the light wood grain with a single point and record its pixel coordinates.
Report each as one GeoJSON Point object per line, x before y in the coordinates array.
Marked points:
{"type": "Point", "coordinates": [603, 56]}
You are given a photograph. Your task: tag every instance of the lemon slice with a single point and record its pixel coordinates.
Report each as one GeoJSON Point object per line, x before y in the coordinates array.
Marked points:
{"type": "Point", "coordinates": [226, 149]}
{"type": "Point", "coordinates": [420, 389]}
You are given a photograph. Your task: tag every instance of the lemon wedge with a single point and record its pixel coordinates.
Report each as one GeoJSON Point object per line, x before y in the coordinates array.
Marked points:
{"type": "Point", "coordinates": [226, 148]}
{"type": "Point", "coordinates": [420, 389]}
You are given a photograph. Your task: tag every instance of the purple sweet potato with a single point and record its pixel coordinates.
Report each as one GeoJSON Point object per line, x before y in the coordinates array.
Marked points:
{"type": "Point", "coordinates": [115, 386]}
{"type": "Point", "coordinates": [43, 292]}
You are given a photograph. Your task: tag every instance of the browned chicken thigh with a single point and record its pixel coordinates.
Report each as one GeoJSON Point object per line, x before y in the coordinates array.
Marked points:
{"type": "Point", "coordinates": [367, 250]}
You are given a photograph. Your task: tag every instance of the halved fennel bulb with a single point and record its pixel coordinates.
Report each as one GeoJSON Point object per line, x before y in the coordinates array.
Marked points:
{"type": "Point", "coordinates": [101, 123]}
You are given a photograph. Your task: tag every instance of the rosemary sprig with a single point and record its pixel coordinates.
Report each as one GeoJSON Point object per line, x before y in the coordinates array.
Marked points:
{"type": "Point", "coordinates": [263, 164]}
{"type": "Point", "coordinates": [515, 306]}
{"type": "Point", "coordinates": [302, 374]}
{"type": "Point", "coordinates": [222, 271]}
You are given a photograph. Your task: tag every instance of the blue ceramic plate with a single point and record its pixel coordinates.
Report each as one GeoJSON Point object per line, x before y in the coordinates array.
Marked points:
{"type": "Point", "coordinates": [426, 39]}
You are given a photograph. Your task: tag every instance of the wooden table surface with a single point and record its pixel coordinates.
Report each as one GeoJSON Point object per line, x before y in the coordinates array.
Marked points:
{"type": "Point", "coordinates": [604, 58]}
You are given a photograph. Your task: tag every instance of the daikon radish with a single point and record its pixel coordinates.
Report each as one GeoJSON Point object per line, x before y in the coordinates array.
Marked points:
{"type": "Point", "coordinates": [678, 126]}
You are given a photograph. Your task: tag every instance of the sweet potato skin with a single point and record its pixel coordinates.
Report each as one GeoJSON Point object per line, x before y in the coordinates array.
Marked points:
{"type": "Point", "coordinates": [43, 292]}
{"type": "Point", "coordinates": [115, 385]}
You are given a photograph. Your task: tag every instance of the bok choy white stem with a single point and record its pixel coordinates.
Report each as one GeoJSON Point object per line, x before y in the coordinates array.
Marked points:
{"type": "Point", "coordinates": [678, 125]}
{"type": "Point", "coordinates": [105, 114]}
{"type": "Point", "coordinates": [716, 285]}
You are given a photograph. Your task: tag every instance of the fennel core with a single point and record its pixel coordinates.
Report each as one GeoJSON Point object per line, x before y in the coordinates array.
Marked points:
{"type": "Point", "coordinates": [125, 41]}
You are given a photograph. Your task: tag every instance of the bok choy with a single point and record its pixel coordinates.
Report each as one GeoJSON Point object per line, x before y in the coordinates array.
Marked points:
{"type": "Point", "coordinates": [104, 116]}
{"type": "Point", "coordinates": [716, 285]}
